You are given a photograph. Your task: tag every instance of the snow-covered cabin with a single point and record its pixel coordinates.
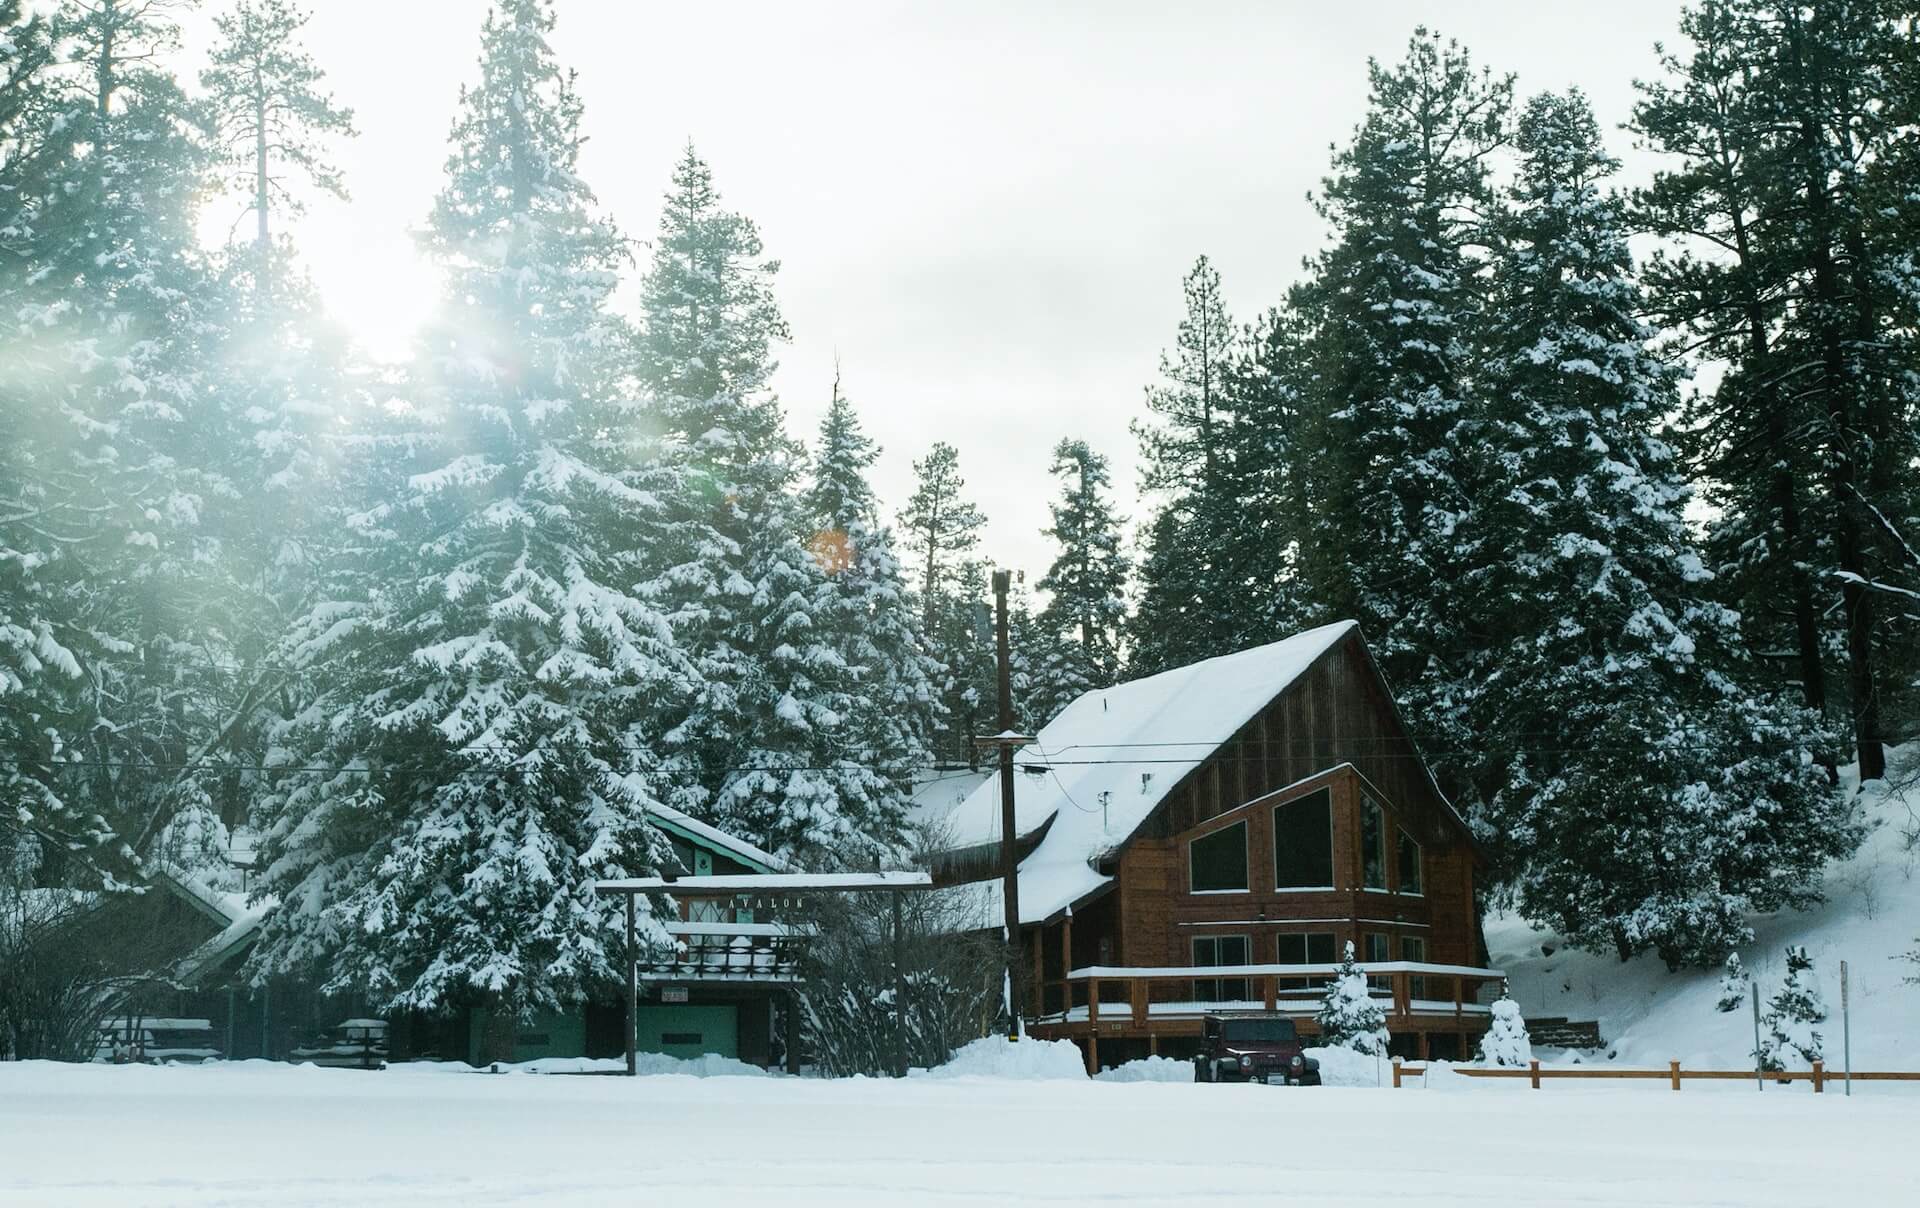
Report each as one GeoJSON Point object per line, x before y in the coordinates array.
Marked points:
{"type": "Point", "coordinates": [1213, 836]}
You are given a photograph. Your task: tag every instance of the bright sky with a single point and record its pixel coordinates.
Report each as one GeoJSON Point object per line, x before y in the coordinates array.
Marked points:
{"type": "Point", "coordinates": [984, 208]}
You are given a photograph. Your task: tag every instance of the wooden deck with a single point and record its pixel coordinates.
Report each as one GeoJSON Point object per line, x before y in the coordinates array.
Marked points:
{"type": "Point", "coordinates": [1123, 1004]}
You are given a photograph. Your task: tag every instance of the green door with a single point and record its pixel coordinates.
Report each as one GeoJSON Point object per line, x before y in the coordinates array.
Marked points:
{"type": "Point", "coordinates": [688, 1031]}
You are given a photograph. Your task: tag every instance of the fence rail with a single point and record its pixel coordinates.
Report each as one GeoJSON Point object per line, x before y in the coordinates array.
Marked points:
{"type": "Point", "coordinates": [1673, 1075]}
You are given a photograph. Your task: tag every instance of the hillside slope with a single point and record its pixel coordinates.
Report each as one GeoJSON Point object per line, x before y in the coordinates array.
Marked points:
{"type": "Point", "coordinates": [1649, 1016]}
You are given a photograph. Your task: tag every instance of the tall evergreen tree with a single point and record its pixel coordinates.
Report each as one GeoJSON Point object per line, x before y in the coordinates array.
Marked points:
{"type": "Point", "coordinates": [496, 672]}
{"type": "Point", "coordinates": [274, 121]}
{"type": "Point", "coordinates": [1207, 572]}
{"type": "Point", "coordinates": [111, 320]}
{"type": "Point", "coordinates": [1689, 801]}
{"type": "Point", "coordinates": [941, 530]}
{"type": "Point", "coordinates": [1087, 584]}
{"type": "Point", "coordinates": [1393, 305]}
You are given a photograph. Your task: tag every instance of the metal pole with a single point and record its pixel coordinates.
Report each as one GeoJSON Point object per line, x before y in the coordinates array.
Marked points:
{"type": "Point", "coordinates": [899, 993]}
{"type": "Point", "coordinates": [1009, 867]}
{"type": "Point", "coordinates": [1846, 1029]}
{"type": "Point", "coordinates": [633, 995]}
{"type": "Point", "coordinates": [1753, 992]}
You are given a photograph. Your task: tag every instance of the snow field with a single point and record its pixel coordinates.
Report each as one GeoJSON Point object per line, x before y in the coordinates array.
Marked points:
{"type": "Point", "coordinates": [259, 1134]}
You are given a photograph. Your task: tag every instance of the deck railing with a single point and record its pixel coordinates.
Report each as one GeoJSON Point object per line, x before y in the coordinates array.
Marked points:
{"type": "Point", "coordinates": [1673, 1075]}
{"type": "Point", "coordinates": [1406, 990]}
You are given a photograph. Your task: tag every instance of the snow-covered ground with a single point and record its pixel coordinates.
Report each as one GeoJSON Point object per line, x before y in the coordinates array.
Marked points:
{"type": "Point", "coordinates": [1650, 1016]}
{"type": "Point", "coordinates": [257, 1134]}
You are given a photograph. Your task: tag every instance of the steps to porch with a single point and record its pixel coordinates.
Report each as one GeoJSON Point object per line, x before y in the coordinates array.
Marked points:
{"type": "Point", "coordinates": [1558, 1032]}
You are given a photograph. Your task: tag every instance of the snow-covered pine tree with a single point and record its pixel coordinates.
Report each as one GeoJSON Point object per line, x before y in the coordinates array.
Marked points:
{"type": "Point", "coordinates": [1788, 1037]}
{"type": "Point", "coordinates": [856, 686]}
{"type": "Point", "coordinates": [1595, 615]}
{"type": "Point", "coordinates": [1733, 985]}
{"type": "Point", "coordinates": [940, 532]}
{"type": "Point", "coordinates": [1349, 1017]}
{"type": "Point", "coordinates": [1506, 1042]}
{"type": "Point", "coordinates": [1749, 440]}
{"type": "Point", "coordinates": [1207, 568]}
{"type": "Point", "coordinates": [496, 673]}
{"type": "Point", "coordinates": [1087, 583]}
{"type": "Point", "coordinates": [1393, 306]}
{"type": "Point", "coordinates": [112, 318]}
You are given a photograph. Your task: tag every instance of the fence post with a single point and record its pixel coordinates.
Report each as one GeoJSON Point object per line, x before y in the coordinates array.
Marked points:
{"type": "Point", "coordinates": [1533, 1073]}
{"type": "Point", "coordinates": [1673, 1071]}
{"type": "Point", "coordinates": [1819, 1076]}
{"type": "Point", "coordinates": [1396, 1073]}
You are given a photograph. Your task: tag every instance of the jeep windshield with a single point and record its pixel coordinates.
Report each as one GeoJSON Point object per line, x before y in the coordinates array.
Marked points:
{"type": "Point", "coordinates": [1257, 1031]}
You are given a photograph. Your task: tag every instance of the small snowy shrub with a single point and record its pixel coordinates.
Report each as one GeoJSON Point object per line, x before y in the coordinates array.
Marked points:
{"type": "Point", "coordinates": [1733, 986]}
{"type": "Point", "coordinates": [1788, 1038]}
{"type": "Point", "coordinates": [1506, 1042]}
{"type": "Point", "coordinates": [1349, 1017]}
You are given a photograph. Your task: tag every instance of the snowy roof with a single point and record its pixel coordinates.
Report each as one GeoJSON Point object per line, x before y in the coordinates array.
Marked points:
{"type": "Point", "coordinates": [699, 832]}
{"type": "Point", "coordinates": [771, 883]}
{"type": "Point", "coordinates": [1100, 767]}
{"type": "Point", "coordinates": [938, 791]}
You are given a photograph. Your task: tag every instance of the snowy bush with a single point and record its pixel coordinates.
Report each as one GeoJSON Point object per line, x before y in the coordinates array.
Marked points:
{"type": "Point", "coordinates": [1506, 1042]}
{"type": "Point", "coordinates": [952, 977]}
{"type": "Point", "coordinates": [1788, 1038]}
{"type": "Point", "coordinates": [1349, 1017]}
{"type": "Point", "coordinates": [1733, 985]}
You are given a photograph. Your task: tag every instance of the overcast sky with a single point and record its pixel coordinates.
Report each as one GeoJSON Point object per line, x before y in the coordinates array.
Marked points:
{"type": "Point", "coordinates": [984, 209]}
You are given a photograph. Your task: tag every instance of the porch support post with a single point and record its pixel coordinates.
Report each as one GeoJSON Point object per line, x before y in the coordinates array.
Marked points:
{"type": "Point", "coordinates": [633, 994]}
{"type": "Point", "coordinates": [900, 992]}
{"type": "Point", "coordinates": [793, 1031]}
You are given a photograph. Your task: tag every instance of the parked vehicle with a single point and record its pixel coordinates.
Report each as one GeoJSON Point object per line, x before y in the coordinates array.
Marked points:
{"type": "Point", "coordinates": [1253, 1047]}
{"type": "Point", "coordinates": [358, 1044]}
{"type": "Point", "coordinates": [141, 1038]}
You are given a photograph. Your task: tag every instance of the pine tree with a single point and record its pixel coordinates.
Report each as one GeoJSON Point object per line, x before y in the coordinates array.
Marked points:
{"type": "Point", "coordinates": [497, 670]}
{"type": "Point", "coordinates": [1349, 1017]}
{"type": "Point", "coordinates": [1788, 1036]}
{"type": "Point", "coordinates": [1733, 986]}
{"type": "Point", "coordinates": [940, 531]}
{"type": "Point", "coordinates": [1084, 618]}
{"type": "Point", "coordinates": [1393, 307]}
{"type": "Point", "coordinates": [855, 686]}
{"type": "Point", "coordinates": [1208, 572]}
{"type": "Point", "coordinates": [1506, 1043]}
{"type": "Point", "coordinates": [1597, 614]}
{"type": "Point", "coordinates": [112, 322]}
{"type": "Point", "coordinates": [273, 121]}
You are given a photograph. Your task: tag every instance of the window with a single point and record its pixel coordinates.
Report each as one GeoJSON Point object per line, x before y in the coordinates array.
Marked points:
{"type": "Point", "coordinates": [1312, 948]}
{"type": "Point", "coordinates": [1409, 864]}
{"type": "Point", "coordinates": [1220, 950]}
{"type": "Point", "coordinates": [1218, 862]}
{"type": "Point", "coordinates": [1373, 844]}
{"type": "Point", "coordinates": [1414, 948]}
{"type": "Point", "coordinates": [1374, 949]}
{"type": "Point", "coordinates": [1303, 843]}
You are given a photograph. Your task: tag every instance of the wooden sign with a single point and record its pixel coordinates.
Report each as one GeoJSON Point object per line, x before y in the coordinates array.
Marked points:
{"type": "Point", "coordinates": [673, 994]}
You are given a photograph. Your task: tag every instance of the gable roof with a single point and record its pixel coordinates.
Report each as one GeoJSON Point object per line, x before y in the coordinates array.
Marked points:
{"type": "Point", "coordinates": [700, 834]}
{"type": "Point", "coordinates": [1098, 770]}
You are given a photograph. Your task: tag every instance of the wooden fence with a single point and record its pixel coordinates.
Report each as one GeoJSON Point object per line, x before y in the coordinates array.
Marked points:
{"type": "Point", "coordinates": [1819, 1075]}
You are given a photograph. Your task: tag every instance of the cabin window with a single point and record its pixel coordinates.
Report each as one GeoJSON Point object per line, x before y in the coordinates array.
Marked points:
{"type": "Point", "coordinates": [1220, 950]}
{"type": "Point", "coordinates": [1303, 843]}
{"type": "Point", "coordinates": [1409, 864]}
{"type": "Point", "coordinates": [1217, 863]}
{"type": "Point", "coordinates": [1373, 844]}
{"type": "Point", "coordinates": [1375, 950]}
{"type": "Point", "coordinates": [1414, 948]}
{"type": "Point", "coordinates": [1311, 948]}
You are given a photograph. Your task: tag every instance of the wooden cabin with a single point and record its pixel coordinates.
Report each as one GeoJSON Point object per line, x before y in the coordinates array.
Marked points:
{"type": "Point", "coordinates": [1214, 836]}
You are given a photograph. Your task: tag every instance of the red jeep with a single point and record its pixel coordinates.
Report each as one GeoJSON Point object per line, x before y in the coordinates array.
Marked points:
{"type": "Point", "coordinates": [1254, 1048]}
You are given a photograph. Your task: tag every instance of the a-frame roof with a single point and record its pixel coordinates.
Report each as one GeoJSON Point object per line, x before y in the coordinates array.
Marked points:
{"type": "Point", "coordinates": [1098, 770]}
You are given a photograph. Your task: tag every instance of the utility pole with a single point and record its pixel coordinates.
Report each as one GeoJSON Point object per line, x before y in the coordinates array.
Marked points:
{"type": "Point", "coordinates": [1006, 741]}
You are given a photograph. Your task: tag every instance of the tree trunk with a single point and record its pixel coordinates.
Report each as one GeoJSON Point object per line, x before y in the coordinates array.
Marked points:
{"type": "Point", "coordinates": [498, 1024]}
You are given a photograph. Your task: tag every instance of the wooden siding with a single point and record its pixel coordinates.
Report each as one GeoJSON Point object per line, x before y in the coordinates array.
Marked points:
{"type": "Point", "coordinates": [1333, 728]}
